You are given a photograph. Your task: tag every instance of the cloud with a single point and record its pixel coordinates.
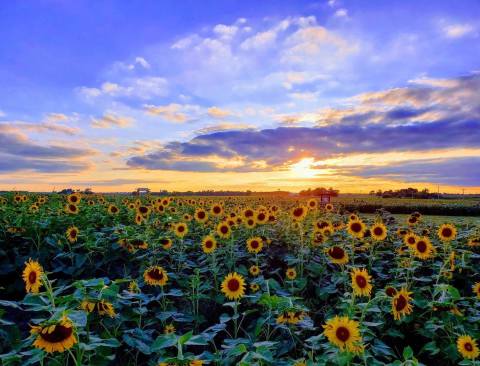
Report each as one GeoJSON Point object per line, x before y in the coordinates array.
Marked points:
{"type": "Point", "coordinates": [2, 113]}
{"type": "Point", "coordinates": [174, 112]}
{"type": "Point", "coordinates": [341, 13]}
{"type": "Point", "coordinates": [382, 122]}
{"type": "Point", "coordinates": [223, 127]}
{"type": "Point", "coordinates": [142, 88]}
{"type": "Point", "coordinates": [112, 182]}
{"type": "Point", "coordinates": [216, 112]}
{"type": "Point", "coordinates": [39, 127]}
{"type": "Point", "coordinates": [464, 171]}
{"type": "Point", "coordinates": [18, 153]}
{"type": "Point", "coordinates": [56, 117]}
{"type": "Point", "coordinates": [110, 120]}
{"type": "Point", "coordinates": [457, 30]}
{"type": "Point", "coordinates": [225, 31]}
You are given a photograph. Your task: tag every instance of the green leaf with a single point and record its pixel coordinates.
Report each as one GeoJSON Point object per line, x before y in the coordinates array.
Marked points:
{"type": "Point", "coordinates": [163, 341]}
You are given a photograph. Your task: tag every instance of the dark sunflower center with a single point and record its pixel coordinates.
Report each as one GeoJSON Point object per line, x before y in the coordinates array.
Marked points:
{"type": "Point", "coordinates": [101, 306]}
{"type": "Point", "coordinates": [254, 244]}
{"type": "Point", "coordinates": [336, 253]}
{"type": "Point", "coordinates": [143, 210]}
{"type": "Point", "coordinates": [224, 229]}
{"type": "Point", "coordinates": [58, 335]}
{"type": "Point", "coordinates": [73, 199]}
{"type": "Point", "coordinates": [250, 222]}
{"type": "Point", "coordinates": [156, 274]}
{"type": "Point", "coordinates": [356, 227]}
{"type": "Point", "coordinates": [233, 285]}
{"type": "Point", "coordinates": [378, 231]}
{"type": "Point", "coordinates": [412, 220]}
{"type": "Point", "coordinates": [261, 216]}
{"type": "Point", "coordinates": [298, 212]}
{"type": "Point", "coordinates": [201, 215]}
{"type": "Point", "coordinates": [343, 334]}
{"type": "Point", "coordinates": [209, 244]}
{"type": "Point", "coordinates": [401, 303]}
{"type": "Point", "coordinates": [114, 209]}
{"type": "Point", "coordinates": [468, 347]}
{"type": "Point", "coordinates": [422, 246]}
{"type": "Point", "coordinates": [73, 233]}
{"type": "Point", "coordinates": [248, 213]}
{"type": "Point", "coordinates": [390, 291]}
{"type": "Point", "coordinates": [447, 232]}
{"type": "Point", "coordinates": [32, 277]}
{"type": "Point", "coordinates": [181, 229]}
{"type": "Point", "coordinates": [216, 210]}
{"type": "Point", "coordinates": [73, 208]}
{"type": "Point", "coordinates": [361, 281]}
{"type": "Point", "coordinates": [411, 240]}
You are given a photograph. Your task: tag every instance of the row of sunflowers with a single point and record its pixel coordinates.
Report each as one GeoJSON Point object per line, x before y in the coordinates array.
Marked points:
{"type": "Point", "coordinates": [109, 280]}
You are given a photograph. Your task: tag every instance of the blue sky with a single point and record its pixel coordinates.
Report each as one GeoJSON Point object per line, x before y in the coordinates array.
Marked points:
{"type": "Point", "coordinates": [239, 94]}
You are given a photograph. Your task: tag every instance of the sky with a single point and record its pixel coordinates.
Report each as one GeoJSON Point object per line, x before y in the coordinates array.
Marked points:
{"type": "Point", "coordinates": [259, 95]}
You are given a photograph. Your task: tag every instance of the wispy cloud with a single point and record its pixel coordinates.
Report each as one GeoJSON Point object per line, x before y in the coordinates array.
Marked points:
{"type": "Point", "coordinates": [110, 120]}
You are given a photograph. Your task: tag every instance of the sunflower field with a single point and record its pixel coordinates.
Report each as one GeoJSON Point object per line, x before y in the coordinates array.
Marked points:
{"type": "Point", "coordinates": [123, 280]}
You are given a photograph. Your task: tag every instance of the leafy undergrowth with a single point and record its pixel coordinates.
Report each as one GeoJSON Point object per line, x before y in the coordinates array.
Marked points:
{"type": "Point", "coordinates": [121, 280]}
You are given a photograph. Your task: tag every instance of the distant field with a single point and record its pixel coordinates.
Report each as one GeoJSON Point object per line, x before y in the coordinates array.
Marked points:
{"type": "Point", "coordinates": [443, 207]}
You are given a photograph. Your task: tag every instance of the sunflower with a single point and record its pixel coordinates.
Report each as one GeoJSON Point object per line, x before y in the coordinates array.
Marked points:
{"type": "Point", "coordinates": [169, 329]}
{"type": "Point", "coordinates": [291, 274]}
{"type": "Point", "coordinates": [423, 248]}
{"type": "Point", "coordinates": [196, 363]}
{"type": "Point", "coordinates": [337, 255]}
{"type": "Point", "coordinates": [318, 238]}
{"type": "Point", "coordinates": [467, 346]}
{"type": "Point", "coordinates": [312, 204]}
{"type": "Point", "coordinates": [166, 243]}
{"type": "Point", "coordinates": [300, 363]}
{"type": "Point", "coordinates": [255, 244]}
{"type": "Point", "coordinates": [474, 242]}
{"type": "Point", "coordinates": [201, 215]}
{"type": "Point", "coordinates": [410, 239]}
{"type": "Point", "coordinates": [261, 217]}
{"type": "Point", "coordinates": [112, 209]}
{"type": "Point", "coordinates": [447, 232]}
{"type": "Point", "coordinates": [72, 234]}
{"type": "Point", "coordinates": [223, 230]}
{"type": "Point", "coordinates": [356, 228]}
{"type": "Point", "coordinates": [254, 270]}
{"type": "Point", "coordinates": [250, 223]}
{"type": "Point", "coordinates": [143, 210]}
{"type": "Point", "coordinates": [133, 287]}
{"type": "Point", "coordinates": [32, 275]}
{"type": "Point", "coordinates": [74, 198]}
{"type": "Point", "coordinates": [248, 212]}
{"type": "Point", "coordinates": [401, 304]}
{"type": "Point", "coordinates": [102, 307]}
{"type": "Point", "coordinates": [216, 210]}
{"type": "Point", "coordinates": [54, 337]}
{"type": "Point", "coordinates": [209, 244]}
{"type": "Point", "coordinates": [254, 287]}
{"type": "Point", "coordinates": [298, 213]}
{"type": "Point", "coordinates": [361, 282]}
{"type": "Point", "coordinates": [390, 291]}
{"type": "Point", "coordinates": [71, 208]}
{"type": "Point", "coordinates": [181, 229]}
{"type": "Point", "coordinates": [329, 207]}
{"type": "Point", "coordinates": [476, 289]}
{"type": "Point", "coordinates": [378, 231]}
{"type": "Point", "coordinates": [233, 286]}
{"type": "Point", "coordinates": [155, 276]}
{"type": "Point", "coordinates": [139, 219]}
{"type": "Point", "coordinates": [343, 332]}
{"type": "Point", "coordinates": [412, 220]}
